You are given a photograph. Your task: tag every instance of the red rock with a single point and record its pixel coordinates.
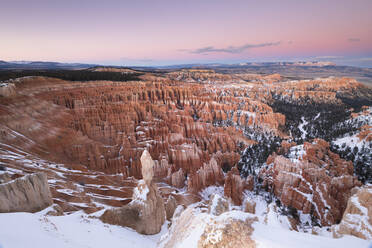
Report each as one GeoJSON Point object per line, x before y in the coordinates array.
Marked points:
{"type": "Point", "coordinates": [308, 185]}
{"type": "Point", "coordinates": [209, 174]}
{"type": "Point", "coordinates": [233, 187]}
{"type": "Point", "coordinates": [177, 179]}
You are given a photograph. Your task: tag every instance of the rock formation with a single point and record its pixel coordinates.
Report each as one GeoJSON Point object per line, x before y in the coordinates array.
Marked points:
{"type": "Point", "coordinates": [235, 185]}
{"type": "Point", "coordinates": [26, 194]}
{"type": "Point", "coordinates": [228, 233]}
{"type": "Point", "coordinates": [177, 179]}
{"type": "Point", "coordinates": [217, 205]}
{"type": "Point", "coordinates": [170, 207]}
{"type": "Point", "coordinates": [357, 218]}
{"type": "Point", "coordinates": [89, 136]}
{"type": "Point", "coordinates": [209, 174]}
{"type": "Point", "coordinates": [195, 228]}
{"type": "Point", "coordinates": [147, 167]}
{"type": "Point", "coordinates": [7, 89]}
{"type": "Point", "coordinates": [314, 180]}
{"type": "Point", "coordinates": [4, 178]}
{"type": "Point", "coordinates": [146, 212]}
{"type": "Point", "coordinates": [249, 207]}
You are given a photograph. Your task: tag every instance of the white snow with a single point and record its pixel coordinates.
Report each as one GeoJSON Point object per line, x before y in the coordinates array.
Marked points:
{"type": "Point", "coordinates": [267, 236]}
{"type": "Point", "coordinates": [296, 153]}
{"type": "Point", "coordinates": [214, 204]}
{"type": "Point", "coordinates": [214, 237]}
{"type": "Point", "coordinates": [301, 127]}
{"type": "Point", "coordinates": [192, 228]}
{"type": "Point", "coordinates": [273, 233]}
{"type": "Point", "coordinates": [356, 221]}
{"type": "Point", "coordinates": [276, 220]}
{"type": "Point", "coordinates": [207, 192]}
{"type": "Point", "coordinates": [82, 230]}
{"type": "Point", "coordinates": [75, 230]}
{"type": "Point", "coordinates": [140, 192]}
{"type": "Point", "coordinates": [350, 141]}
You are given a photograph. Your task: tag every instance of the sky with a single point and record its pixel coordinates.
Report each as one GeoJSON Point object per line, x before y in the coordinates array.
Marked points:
{"type": "Point", "coordinates": [163, 32]}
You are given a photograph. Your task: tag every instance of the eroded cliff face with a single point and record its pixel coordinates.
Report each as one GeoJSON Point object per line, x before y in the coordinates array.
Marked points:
{"type": "Point", "coordinates": [88, 138]}
{"type": "Point", "coordinates": [178, 125]}
{"type": "Point", "coordinates": [105, 126]}
{"type": "Point", "coordinates": [357, 218]}
{"type": "Point", "coordinates": [146, 212]}
{"type": "Point", "coordinates": [27, 194]}
{"type": "Point", "coordinates": [312, 179]}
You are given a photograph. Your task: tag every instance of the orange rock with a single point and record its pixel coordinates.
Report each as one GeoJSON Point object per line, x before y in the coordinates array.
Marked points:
{"type": "Point", "coordinates": [310, 186]}
{"type": "Point", "coordinates": [234, 186]}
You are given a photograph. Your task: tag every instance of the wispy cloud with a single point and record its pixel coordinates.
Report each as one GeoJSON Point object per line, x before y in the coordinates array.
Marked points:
{"type": "Point", "coordinates": [353, 39]}
{"type": "Point", "coordinates": [229, 49]}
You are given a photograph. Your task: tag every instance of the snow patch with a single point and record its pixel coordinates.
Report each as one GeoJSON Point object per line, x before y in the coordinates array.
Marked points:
{"type": "Point", "coordinates": [140, 192]}
{"type": "Point", "coordinates": [301, 127]}
{"type": "Point", "coordinates": [207, 192]}
{"type": "Point", "coordinates": [69, 231]}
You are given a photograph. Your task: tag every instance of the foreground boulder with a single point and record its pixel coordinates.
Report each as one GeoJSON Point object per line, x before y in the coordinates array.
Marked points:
{"type": "Point", "coordinates": [228, 233]}
{"type": "Point", "coordinates": [357, 218]}
{"type": "Point", "coordinates": [146, 212]}
{"type": "Point", "coordinates": [26, 194]}
{"type": "Point", "coordinates": [196, 227]}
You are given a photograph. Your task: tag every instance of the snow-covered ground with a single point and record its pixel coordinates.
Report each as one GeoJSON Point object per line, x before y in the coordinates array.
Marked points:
{"type": "Point", "coordinates": [301, 127]}
{"type": "Point", "coordinates": [21, 230]}
{"type": "Point", "coordinates": [272, 230]}
{"type": "Point", "coordinates": [267, 236]}
{"type": "Point", "coordinates": [358, 144]}
{"type": "Point", "coordinates": [350, 141]}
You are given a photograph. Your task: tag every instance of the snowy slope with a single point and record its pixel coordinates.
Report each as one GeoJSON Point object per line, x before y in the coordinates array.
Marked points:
{"type": "Point", "coordinates": [79, 230]}
{"type": "Point", "coordinates": [20, 230]}
{"type": "Point", "coordinates": [275, 237]}
{"type": "Point", "coordinates": [272, 230]}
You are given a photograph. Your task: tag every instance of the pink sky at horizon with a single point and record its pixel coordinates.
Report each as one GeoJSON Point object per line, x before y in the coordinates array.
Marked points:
{"type": "Point", "coordinates": [151, 32]}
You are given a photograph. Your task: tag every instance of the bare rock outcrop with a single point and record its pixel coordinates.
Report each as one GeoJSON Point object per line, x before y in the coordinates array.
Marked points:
{"type": "Point", "coordinates": [147, 167]}
{"type": "Point", "coordinates": [7, 89]}
{"type": "Point", "coordinates": [177, 179]}
{"type": "Point", "coordinates": [234, 186]}
{"type": "Point", "coordinates": [357, 218]}
{"type": "Point", "coordinates": [249, 206]}
{"type": "Point", "coordinates": [209, 174]}
{"type": "Point", "coordinates": [217, 205]}
{"type": "Point", "coordinates": [170, 207]}
{"type": "Point", "coordinates": [4, 178]}
{"type": "Point", "coordinates": [317, 182]}
{"type": "Point", "coordinates": [194, 227]}
{"type": "Point", "coordinates": [26, 194]}
{"type": "Point", "coordinates": [104, 126]}
{"type": "Point", "coordinates": [146, 212]}
{"type": "Point", "coordinates": [229, 233]}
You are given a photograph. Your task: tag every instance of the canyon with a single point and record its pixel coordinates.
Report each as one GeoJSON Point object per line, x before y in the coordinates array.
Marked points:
{"type": "Point", "coordinates": [244, 133]}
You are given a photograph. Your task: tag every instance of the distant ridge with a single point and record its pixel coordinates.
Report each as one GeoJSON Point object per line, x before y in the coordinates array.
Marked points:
{"type": "Point", "coordinates": [41, 65]}
{"type": "Point", "coordinates": [299, 69]}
